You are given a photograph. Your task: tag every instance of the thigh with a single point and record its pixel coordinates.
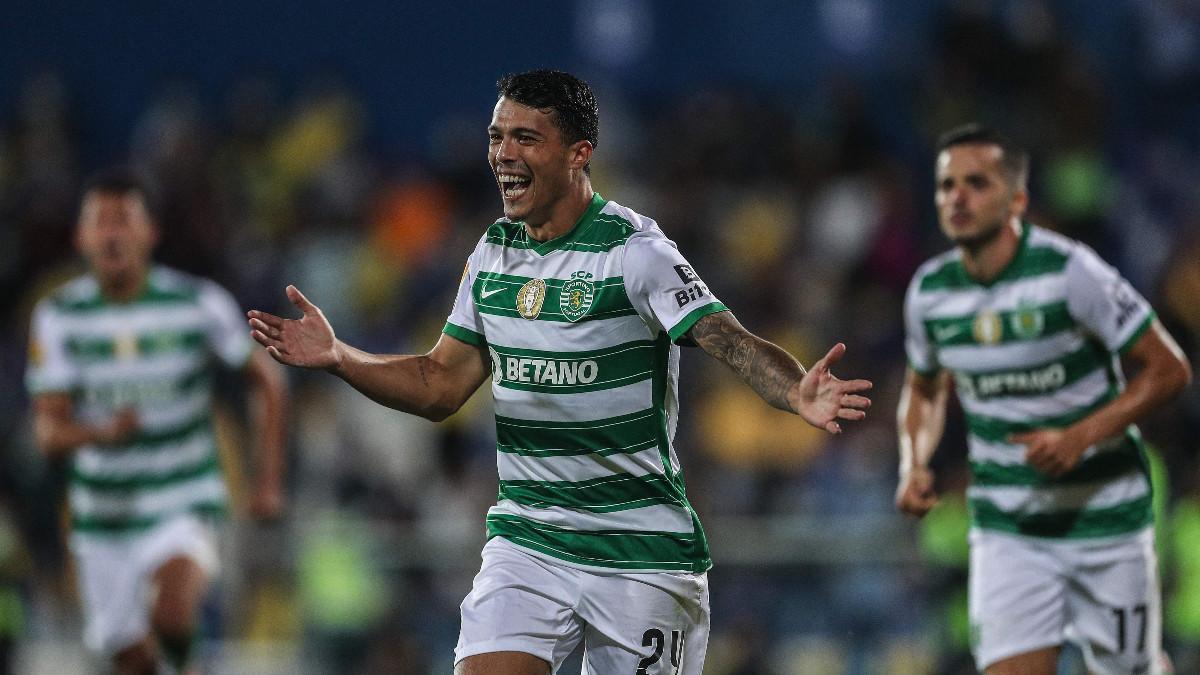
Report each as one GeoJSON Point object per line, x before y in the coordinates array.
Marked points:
{"type": "Point", "coordinates": [519, 603]}
{"type": "Point", "coordinates": [113, 593]}
{"type": "Point", "coordinates": [1016, 597]}
{"type": "Point", "coordinates": [645, 624]}
{"type": "Point", "coordinates": [1116, 610]}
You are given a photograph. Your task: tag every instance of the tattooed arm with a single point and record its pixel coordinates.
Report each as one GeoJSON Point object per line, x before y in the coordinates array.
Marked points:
{"type": "Point", "coordinates": [816, 394]}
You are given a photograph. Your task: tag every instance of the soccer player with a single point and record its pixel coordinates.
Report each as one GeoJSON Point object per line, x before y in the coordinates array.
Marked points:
{"type": "Point", "coordinates": [120, 370]}
{"type": "Point", "coordinates": [573, 305]}
{"type": "Point", "coordinates": [1028, 325]}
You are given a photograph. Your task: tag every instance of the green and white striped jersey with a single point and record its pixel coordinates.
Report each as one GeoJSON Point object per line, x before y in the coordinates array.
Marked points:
{"type": "Point", "coordinates": [153, 355]}
{"type": "Point", "coordinates": [581, 331]}
{"type": "Point", "coordinates": [1036, 348]}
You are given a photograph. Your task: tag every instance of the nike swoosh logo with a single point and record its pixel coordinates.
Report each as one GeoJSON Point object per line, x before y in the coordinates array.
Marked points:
{"type": "Point", "coordinates": [484, 295]}
{"type": "Point", "coordinates": [946, 333]}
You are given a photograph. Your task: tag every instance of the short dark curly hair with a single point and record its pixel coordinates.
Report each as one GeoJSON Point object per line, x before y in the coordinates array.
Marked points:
{"type": "Point", "coordinates": [122, 179]}
{"type": "Point", "coordinates": [575, 112]}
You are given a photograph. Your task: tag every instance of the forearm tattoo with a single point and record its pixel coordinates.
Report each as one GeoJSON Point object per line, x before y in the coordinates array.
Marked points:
{"type": "Point", "coordinates": [770, 371]}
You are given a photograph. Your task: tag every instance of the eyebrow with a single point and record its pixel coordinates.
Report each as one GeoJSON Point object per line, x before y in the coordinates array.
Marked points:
{"type": "Point", "coordinates": [516, 130]}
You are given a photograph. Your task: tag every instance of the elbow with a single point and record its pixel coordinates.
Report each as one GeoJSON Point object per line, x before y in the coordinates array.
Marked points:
{"type": "Point", "coordinates": [438, 411]}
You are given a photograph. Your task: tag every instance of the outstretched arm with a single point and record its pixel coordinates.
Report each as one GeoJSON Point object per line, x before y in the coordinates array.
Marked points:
{"type": "Point", "coordinates": [921, 420]}
{"type": "Point", "coordinates": [432, 385]}
{"type": "Point", "coordinates": [816, 395]}
{"type": "Point", "coordinates": [58, 433]}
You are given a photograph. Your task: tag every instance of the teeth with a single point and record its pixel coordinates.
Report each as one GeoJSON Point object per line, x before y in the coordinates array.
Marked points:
{"type": "Point", "coordinates": [508, 178]}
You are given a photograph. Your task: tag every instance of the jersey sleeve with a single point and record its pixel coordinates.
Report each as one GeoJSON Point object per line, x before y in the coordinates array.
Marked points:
{"type": "Point", "coordinates": [464, 322]}
{"type": "Point", "coordinates": [51, 368]}
{"type": "Point", "coordinates": [663, 287]}
{"type": "Point", "coordinates": [1100, 299]}
{"type": "Point", "coordinates": [226, 330]}
{"type": "Point", "coordinates": [921, 353]}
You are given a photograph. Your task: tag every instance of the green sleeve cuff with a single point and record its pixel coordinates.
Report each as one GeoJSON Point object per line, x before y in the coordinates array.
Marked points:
{"type": "Point", "coordinates": [695, 315]}
{"type": "Point", "coordinates": [463, 334]}
{"type": "Point", "coordinates": [1137, 334]}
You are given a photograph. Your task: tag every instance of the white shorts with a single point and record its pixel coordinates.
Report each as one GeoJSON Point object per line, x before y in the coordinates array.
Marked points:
{"type": "Point", "coordinates": [645, 623]}
{"type": "Point", "coordinates": [1028, 593]}
{"type": "Point", "coordinates": [115, 575]}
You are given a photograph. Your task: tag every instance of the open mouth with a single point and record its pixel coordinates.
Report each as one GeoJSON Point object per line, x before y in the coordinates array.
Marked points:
{"type": "Point", "coordinates": [513, 186]}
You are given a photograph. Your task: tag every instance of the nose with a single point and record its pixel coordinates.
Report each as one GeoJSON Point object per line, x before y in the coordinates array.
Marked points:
{"type": "Point", "coordinates": [506, 150]}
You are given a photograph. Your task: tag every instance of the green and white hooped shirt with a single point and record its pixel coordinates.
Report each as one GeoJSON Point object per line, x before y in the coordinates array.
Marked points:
{"type": "Point", "coordinates": [155, 355]}
{"type": "Point", "coordinates": [1036, 348]}
{"type": "Point", "coordinates": [582, 334]}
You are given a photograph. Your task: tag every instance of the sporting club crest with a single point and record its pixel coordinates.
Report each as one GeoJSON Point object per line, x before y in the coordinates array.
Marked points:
{"type": "Point", "coordinates": [576, 297]}
{"type": "Point", "coordinates": [1027, 322]}
{"type": "Point", "coordinates": [530, 298]}
{"type": "Point", "coordinates": [987, 327]}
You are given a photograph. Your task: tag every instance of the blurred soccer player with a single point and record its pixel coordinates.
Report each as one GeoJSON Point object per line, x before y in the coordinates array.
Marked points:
{"type": "Point", "coordinates": [574, 305]}
{"type": "Point", "coordinates": [1030, 324]}
{"type": "Point", "coordinates": [120, 371]}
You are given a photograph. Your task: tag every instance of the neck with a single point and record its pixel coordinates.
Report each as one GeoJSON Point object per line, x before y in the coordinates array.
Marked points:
{"type": "Point", "coordinates": [985, 262]}
{"type": "Point", "coordinates": [564, 213]}
{"type": "Point", "coordinates": [122, 287]}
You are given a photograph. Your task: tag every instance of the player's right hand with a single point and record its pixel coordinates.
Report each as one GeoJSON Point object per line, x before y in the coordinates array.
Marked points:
{"type": "Point", "coordinates": [915, 495]}
{"type": "Point", "coordinates": [307, 342]}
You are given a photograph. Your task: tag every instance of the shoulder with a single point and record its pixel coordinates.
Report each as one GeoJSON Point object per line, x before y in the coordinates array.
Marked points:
{"type": "Point", "coordinates": [939, 272]}
{"type": "Point", "coordinates": [503, 232]}
{"type": "Point", "coordinates": [638, 232]}
{"type": "Point", "coordinates": [77, 294]}
{"type": "Point", "coordinates": [1072, 256]}
{"type": "Point", "coordinates": [169, 285]}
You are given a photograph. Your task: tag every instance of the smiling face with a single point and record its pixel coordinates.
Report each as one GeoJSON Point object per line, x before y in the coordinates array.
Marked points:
{"type": "Point", "coordinates": [975, 197]}
{"type": "Point", "coordinates": [534, 167]}
{"type": "Point", "coordinates": [116, 235]}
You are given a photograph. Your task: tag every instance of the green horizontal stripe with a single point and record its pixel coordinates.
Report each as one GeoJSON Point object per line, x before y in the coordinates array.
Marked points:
{"type": "Point", "coordinates": [622, 434]}
{"type": "Point", "coordinates": [465, 335]}
{"type": "Point", "coordinates": [619, 492]}
{"type": "Point", "coordinates": [1072, 524]}
{"type": "Point", "coordinates": [574, 372]}
{"type": "Point", "coordinates": [681, 328]}
{"type": "Point", "coordinates": [117, 526]}
{"type": "Point", "coordinates": [1039, 380]}
{"type": "Point", "coordinates": [594, 232]}
{"type": "Point", "coordinates": [154, 440]}
{"type": "Point", "coordinates": [1015, 325]}
{"type": "Point", "coordinates": [149, 344]}
{"type": "Point", "coordinates": [1100, 467]}
{"type": "Point", "coordinates": [608, 299]}
{"type": "Point", "coordinates": [995, 430]}
{"type": "Point", "coordinates": [151, 295]}
{"type": "Point", "coordinates": [147, 481]}
{"type": "Point", "coordinates": [618, 549]}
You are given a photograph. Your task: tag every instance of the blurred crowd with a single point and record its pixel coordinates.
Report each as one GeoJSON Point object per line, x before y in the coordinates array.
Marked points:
{"type": "Point", "coordinates": [805, 212]}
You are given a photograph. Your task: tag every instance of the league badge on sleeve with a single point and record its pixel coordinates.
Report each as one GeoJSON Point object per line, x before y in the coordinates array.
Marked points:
{"type": "Point", "coordinates": [577, 295]}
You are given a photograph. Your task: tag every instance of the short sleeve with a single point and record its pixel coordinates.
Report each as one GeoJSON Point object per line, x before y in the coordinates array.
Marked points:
{"type": "Point", "coordinates": [51, 368]}
{"type": "Point", "coordinates": [225, 328]}
{"type": "Point", "coordinates": [921, 353]}
{"type": "Point", "coordinates": [464, 321]}
{"type": "Point", "coordinates": [1101, 300]}
{"type": "Point", "coordinates": [663, 287]}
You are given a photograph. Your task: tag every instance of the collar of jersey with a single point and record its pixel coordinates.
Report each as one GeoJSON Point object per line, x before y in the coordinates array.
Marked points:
{"type": "Point", "coordinates": [582, 225]}
{"type": "Point", "coordinates": [1022, 246]}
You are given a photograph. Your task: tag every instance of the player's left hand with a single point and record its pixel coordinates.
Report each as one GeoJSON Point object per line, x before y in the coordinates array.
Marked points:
{"type": "Point", "coordinates": [822, 399]}
{"type": "Point", "coordinates": [266, 503]}
{"type": "Point", "coordinates": [1051, 451]}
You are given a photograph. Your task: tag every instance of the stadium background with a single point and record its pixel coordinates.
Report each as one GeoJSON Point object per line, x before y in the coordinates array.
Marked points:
{"type": "Point", "coordinates": [786, 146]}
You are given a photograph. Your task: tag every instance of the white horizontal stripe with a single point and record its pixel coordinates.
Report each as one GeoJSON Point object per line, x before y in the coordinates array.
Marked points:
{"type": "Point", "coordinates": [980, 450]}
{"type": "Point", "coordinates": [576, 468]}
{"type": "Point", "coordinates": [161, 415]}
{"type": "Point", "coordinates": [529, 405]}
{"type": "Point", "coordinates": [1079, 394]}
{"type": "Point", "coordinates": [148, 502]}
{"type": "Point", "coordinates": [1005, 296]}
{"type": "Point", "coordinates": [555, 335]}
{"type": "Point", "coordinates": [97, 463]}
{"type": "Point", "coordinates": [555, 265]}
{"type": "Point", "coordinates": [162, 366]}
{"type": "Point", "coordinates": [657, 518]}
{"type": "Point", "coordinates": [137, 320]}
{"type": "Point", "coordinates": [1010, 355]}
{"type": "Point", "coordinates": [1065, 497]}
